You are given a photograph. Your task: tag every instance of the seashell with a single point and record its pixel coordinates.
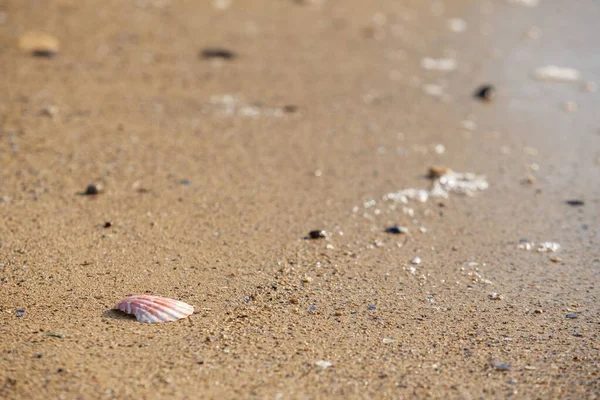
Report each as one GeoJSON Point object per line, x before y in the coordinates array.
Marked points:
{"type": "Point", "coordinates": [154, 309]}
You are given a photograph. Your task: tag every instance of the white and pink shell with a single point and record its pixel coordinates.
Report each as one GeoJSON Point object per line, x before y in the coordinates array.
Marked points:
{"type": "Point", "coordinates": [154, 309]}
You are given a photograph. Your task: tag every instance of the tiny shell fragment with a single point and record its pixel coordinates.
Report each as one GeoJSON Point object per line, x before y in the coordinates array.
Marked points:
{"type": "Point", "coordinates": [153, 309]}
{"type": "Point", "coordinates": [555, 73]}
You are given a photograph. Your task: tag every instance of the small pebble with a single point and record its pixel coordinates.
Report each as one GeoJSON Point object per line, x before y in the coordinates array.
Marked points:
{"type": "Point", "coordinates": [185, 182]}
{"type": "Point", "coordinates": [437, 171]}
{"type": "Point", "coordinates": [575, 203]}
{"type": "Point", "coordinates": [457, 25]}
{"type": "Point", "coordinates": [397, 230]}
{"type": "Point", "coordinates": [590, 87]}
{"type": "Point", "coordinates": [39, 44]}
{"type": "Point", "coordinates": [495, 296]}
{"type": "Point", "coordinates": [290, 108]}
{"type": "Point", "coordinates": [570, 106]}
{"type": "Point", "coordinates": [372, 308]}
{"type": "Point", "coordinates": [108, 224]}
{"type": "Point", "coordinates": [388, 340]}
{"type": "Point", "coordinates": [571, 316]}
{"type": "Point", "coordinates": [500, 366]}
{"type": "Point", "coordinates": [323, 364]}
{"type": "Point", "coordinates": [416, 260]}
{"type": "Point", "coordinates": [555, 259]}
{"type": "Point", "coordinates": [557, 74]}
{"type": "Point", "coordinates": [211, 53]}
{"type": "Point", "coordinates": [91, 190]}
{"type": "Point", "coordinates": [317, 234]}
{"type": "Point", "coordinates": [486, 93]}
{"type": "Point", "coordinates": [49, 111]}
{"type": "Point", "coordinates": [20, 313]}
{"type": "Point", "coordinates": [312, 308]}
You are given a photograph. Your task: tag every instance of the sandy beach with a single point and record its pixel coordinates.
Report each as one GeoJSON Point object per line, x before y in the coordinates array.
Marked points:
{"type": "Point", "coordinates": [218, 134]}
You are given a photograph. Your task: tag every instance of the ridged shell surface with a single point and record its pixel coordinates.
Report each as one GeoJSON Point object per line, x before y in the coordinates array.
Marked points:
{"type": "Point", "coordinates": [154, 309]}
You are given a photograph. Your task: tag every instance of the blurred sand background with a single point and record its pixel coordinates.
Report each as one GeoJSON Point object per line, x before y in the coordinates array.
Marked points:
{"type": "Point", "coordinates": [211, 184]}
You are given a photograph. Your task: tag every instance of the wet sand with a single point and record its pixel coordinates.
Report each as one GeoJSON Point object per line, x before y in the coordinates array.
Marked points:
{"type": "Point", "coordinates": [211, 181]}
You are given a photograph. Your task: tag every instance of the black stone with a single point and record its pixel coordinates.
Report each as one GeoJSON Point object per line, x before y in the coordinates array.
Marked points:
{"type": "Point", "coordinates": [396, 230]}
{"type": "Point", "coordinates": [317, 234]}
{"type": "Point", "coordinates": [91, 190]}
{"type": "Point", "coordinates": [20, 313]}
{"type": "Point", "coordinates": [107, 224]}
{"type": "Point", "coordinates": [224, 54]}
{"type": "Point", "coordinates": [372, 307]}
{"type": "Point", "coordinates": [485, 92]}
{"type": "Point", "coordinates": [575, 203]}
{"type": "Point", "coordinates": [44, 53]}
{"type": "Point", "coordinates": [571, 316]}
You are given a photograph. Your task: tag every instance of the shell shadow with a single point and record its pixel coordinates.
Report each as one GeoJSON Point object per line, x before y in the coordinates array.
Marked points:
{"type": "Point", "coordinates": [117, 314]}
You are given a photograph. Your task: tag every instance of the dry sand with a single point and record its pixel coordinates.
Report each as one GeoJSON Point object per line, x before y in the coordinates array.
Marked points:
{"type": "Point", "coordinates": [211, 187]}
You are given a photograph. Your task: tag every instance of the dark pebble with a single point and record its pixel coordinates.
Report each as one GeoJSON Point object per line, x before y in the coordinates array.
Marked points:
{"type": "Point", "coordinates": [218, 53]}
{"type": "Point", "coordinates": [312, 308]}
{"type": "Point", "coordinates": [372, 307]}
{"type": "Point", "coordinates": [61, 370]}
{"type": "Point", "coordinates": [571, 316]}
{"type": "Point", "coordinates": [317, 234]}
{"type": "Point", "coordinates": [20, 313]}
{"type": "Point", "coordinates": [108, 224]}
{"type": "Point", "coordinates": [485, 93]}
{"type": "Point", "coordinates": [38, 355]}
{"type": "Point", "coordinates": [290, 108]}
{"type": "Point", "coordinates": [185, 182]}
{"type": "Point", "coordinates": [91, 190]}
{"type": "Point", "coordinates": [500, 366]}
{"type": "Point", "coordinates": [396, 230]}
{"type": "Point", "coordinates": [575, 203]}
{"type": "Point", "coordinates": [200, 362]}
{"type": "Point", "coordinates": [44, 53]}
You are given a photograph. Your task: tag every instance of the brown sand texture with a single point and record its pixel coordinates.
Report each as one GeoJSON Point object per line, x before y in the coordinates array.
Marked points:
{"type": "Point", "coordinates": [219, 133]}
